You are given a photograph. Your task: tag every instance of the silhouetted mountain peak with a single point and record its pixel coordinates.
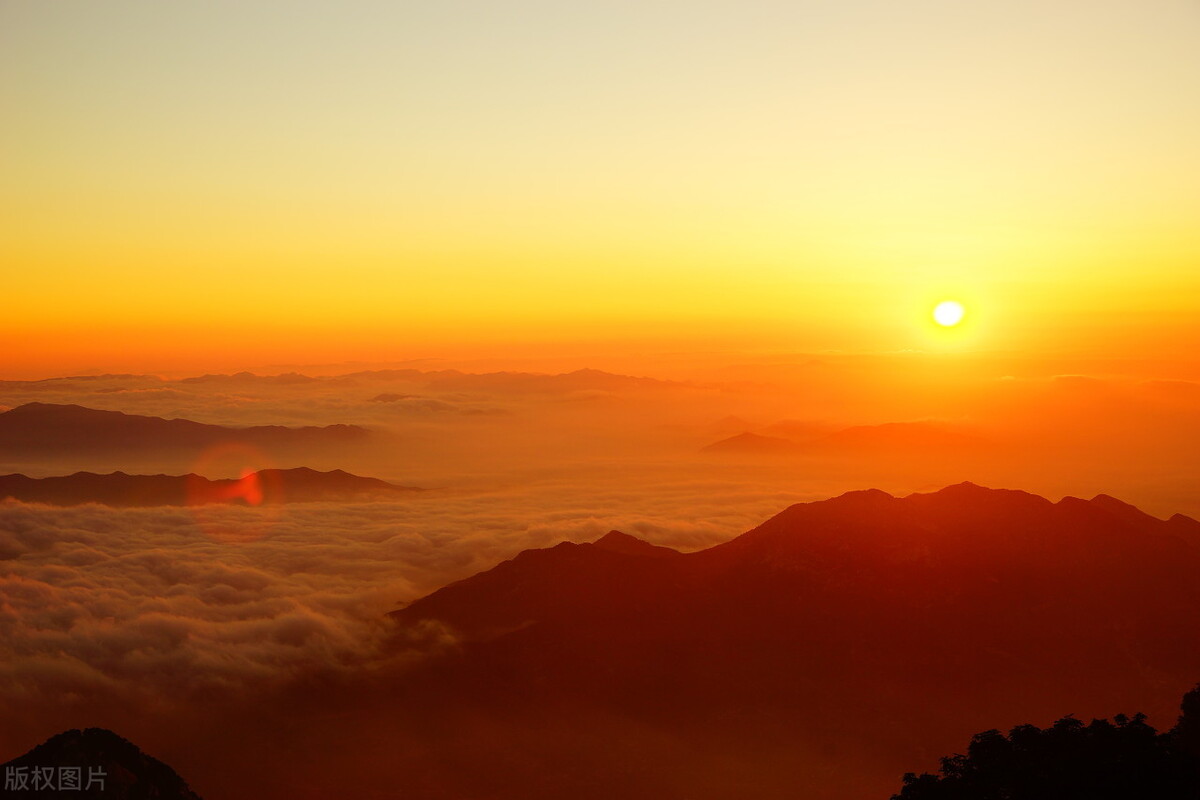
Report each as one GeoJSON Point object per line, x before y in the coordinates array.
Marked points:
{"type": "Point", "coordinates": [57, 409]}
{"type": "Point", "coordinates": [965, 522]}
{"type": "Point", "coordinates": [968, 489]}
{"type": "Point", "coordinates": [113, 766]}
{"type": "Point", "coordinates": [983, 499]}
{"type": "Point", "coordinates": [751, 443]}
{"type": "Point", "coordinates": [864, 495]}
{"type": "Point", "coordinates": [1185, 526]}
{"type": "Point", "coordinates": [847, 502]}
{"type": "Point", "coordinates": [1120, 508]}
{"type": "Point", "coordinates": [615, 538]}
{"type": "Point", "coordinates": [618, 542]}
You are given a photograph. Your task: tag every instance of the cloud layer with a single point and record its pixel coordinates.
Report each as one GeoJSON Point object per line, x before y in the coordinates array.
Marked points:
{"type": "Point", "coordinates": [166, 605]}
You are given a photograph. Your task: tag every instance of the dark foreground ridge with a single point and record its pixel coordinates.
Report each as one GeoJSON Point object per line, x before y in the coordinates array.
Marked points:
{"type": "Point", "coordinates": [92, 763]}
{"type": "Point", "coordinates": [297, 485]}
{"type": "Point", "coordinates": [1103, 760]}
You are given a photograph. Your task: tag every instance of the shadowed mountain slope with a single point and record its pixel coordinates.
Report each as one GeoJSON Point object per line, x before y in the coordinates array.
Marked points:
{"type": "Point", "coordinates": [839, 638]}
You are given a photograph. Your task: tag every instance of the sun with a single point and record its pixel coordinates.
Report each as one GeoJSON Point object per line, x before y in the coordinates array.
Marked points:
{"type": "Point", "coordinates": [948, 313]}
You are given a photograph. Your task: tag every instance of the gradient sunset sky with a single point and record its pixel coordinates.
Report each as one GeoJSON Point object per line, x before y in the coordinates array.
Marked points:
{"type": "Point", "coordinates": [218, 184]}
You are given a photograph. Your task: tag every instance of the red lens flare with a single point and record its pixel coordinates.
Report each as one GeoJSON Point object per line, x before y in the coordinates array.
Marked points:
{"type": "Point", "coordinates": [214, 498]}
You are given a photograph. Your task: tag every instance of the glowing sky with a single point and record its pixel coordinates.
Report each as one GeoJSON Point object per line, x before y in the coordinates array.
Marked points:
{"type": "Point", "coordinates": [316, 180]}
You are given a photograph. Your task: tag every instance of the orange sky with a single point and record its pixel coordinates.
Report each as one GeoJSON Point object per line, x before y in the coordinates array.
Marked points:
{"type": "Point", "coordinates": [219, 186]}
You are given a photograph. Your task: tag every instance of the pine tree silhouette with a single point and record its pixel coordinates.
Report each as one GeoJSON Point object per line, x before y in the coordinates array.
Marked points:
{"type": "Point", "coordinates": [1118, 760]}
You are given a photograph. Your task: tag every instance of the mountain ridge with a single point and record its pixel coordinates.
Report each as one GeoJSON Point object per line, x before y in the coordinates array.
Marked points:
{"type": "Point", "coordinates": [53, 428]}
{"type": "Point", "coordinates": [863, 513]}
{"type": "Point", "coordinates": [119, 489]}
{"type": "Point", "coordinates": [862, 623]}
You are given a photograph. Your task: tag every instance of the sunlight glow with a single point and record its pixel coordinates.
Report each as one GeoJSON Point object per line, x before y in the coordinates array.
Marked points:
{"type": "Point", "coordinates": [948, 313]}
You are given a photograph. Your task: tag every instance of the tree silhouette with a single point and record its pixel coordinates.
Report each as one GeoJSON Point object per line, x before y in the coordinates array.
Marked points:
{"type": "Point", "coordinates": [1187, 731]}
{"type": "Point", "coordinates": [1103, 760]}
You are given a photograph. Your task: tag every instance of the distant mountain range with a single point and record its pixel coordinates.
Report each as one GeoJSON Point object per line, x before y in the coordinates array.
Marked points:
{"type": "Point", "coordinates": [444, 379]}
{"type": "Point", "coordinates": [104, 764]}
{"type": "Point", "coordinates": [836, 645]}
{"type": "Point", "coordinates": [48, 428]}
{"type": "Point", "coordinates": [530, 382]}
{"type": "Point", "coordinates": [264, 486]}
{"type": "Point", "coordinates": [754, 444]}
{"type": "Point", "coordinates": [793, 438]}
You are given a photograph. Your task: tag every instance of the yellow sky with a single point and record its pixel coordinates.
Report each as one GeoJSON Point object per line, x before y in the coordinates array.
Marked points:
{"type": "Point", "coordinates": [382, 179]}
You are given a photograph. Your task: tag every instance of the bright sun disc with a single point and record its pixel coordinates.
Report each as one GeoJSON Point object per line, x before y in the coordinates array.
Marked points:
{"type": "Point", "coordinates": [948, 313]}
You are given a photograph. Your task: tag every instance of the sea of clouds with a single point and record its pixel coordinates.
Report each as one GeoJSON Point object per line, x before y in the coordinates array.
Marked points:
{"type": "Point", "coordinates": [156, 606]}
